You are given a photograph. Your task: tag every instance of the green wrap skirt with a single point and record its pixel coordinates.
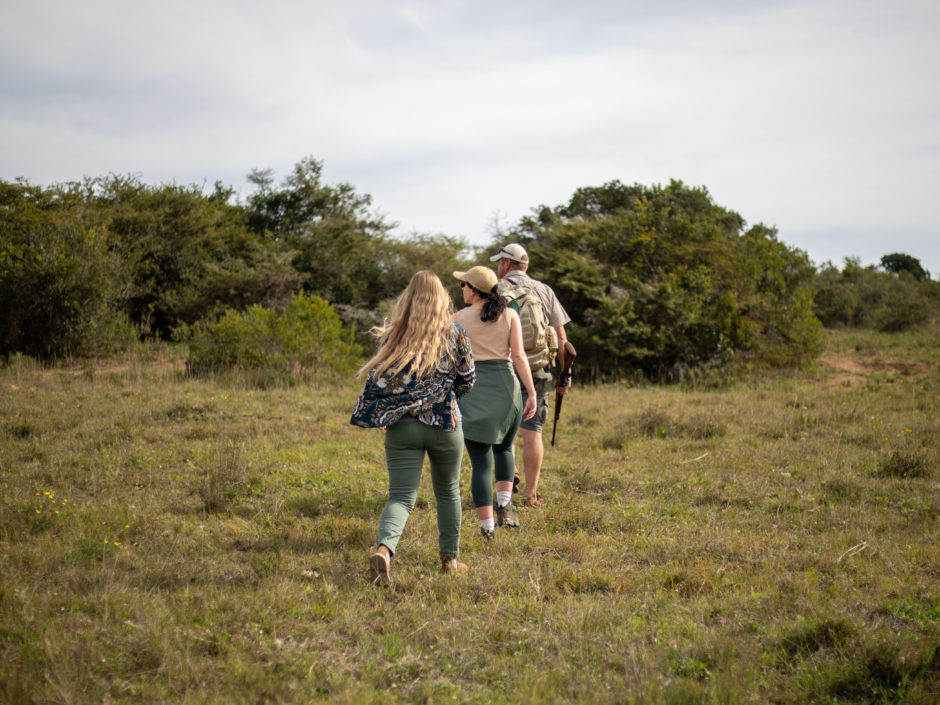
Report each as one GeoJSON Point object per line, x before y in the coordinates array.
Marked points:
{"type": "Point", "coordinates": [490, 409]}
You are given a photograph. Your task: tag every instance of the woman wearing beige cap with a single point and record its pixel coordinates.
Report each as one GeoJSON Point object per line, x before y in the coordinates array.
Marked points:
{"type": "Point", "coordinates": [493, 410]}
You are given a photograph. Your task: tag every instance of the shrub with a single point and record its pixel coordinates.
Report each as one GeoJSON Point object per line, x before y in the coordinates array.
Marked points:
{"type": "Point", "coordinates": [902, 306]}
{"type": "Point", "coordinates": [59, 282]}
{"type": "Point", "coordinates": [905, 464]}
{"type": "Point", "coordinates": [189, 255]}
{"type": "Point", "coordinates": [836, 302]}
{"type": "Point", "coordinates": [661, 281]}
{"type": "Point", "coordinates": [866, 298]}
{"type": "Point", "coordinates": [822, 633]}
{"type": "Point", "coordinates": [884, 672]}
{"type": "Point", "coordinates": [305, 339]}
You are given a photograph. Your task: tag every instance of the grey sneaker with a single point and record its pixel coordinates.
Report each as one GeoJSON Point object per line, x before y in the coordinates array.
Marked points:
{"type": "Point", "coordinates": [505, 516]}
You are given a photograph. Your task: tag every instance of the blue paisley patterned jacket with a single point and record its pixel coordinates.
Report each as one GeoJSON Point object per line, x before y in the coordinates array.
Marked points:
{"type": "Point", "coordinates": [432, 400]}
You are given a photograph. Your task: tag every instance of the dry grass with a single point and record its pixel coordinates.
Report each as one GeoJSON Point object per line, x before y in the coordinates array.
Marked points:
{"type": "Point", "coordinates": [166, 539]}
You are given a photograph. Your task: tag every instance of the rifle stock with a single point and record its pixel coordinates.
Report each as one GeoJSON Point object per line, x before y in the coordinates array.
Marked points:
{"type": "Point", "coordinates": [564, 376]}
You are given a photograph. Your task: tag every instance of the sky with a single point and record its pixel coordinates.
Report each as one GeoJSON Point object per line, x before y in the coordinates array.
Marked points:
{"type": "Point", "coordinates": [820, 118]}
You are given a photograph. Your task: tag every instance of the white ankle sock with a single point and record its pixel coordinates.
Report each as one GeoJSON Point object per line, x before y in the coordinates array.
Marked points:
{"type": "Point", "coordinates": [488, 524]}
{"type": "Point", "coordinates": [503, 497]}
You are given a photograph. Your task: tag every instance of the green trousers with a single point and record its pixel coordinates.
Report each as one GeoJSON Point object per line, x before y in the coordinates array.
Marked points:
{"type": "Point", "coordinates": [406, 443]}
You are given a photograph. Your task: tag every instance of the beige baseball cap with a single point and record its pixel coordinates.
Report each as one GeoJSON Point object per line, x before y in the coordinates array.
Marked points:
{"type": "Point", "coordinates": [480, 278]}
{"type": "Point", "coordinates": [513, 251]}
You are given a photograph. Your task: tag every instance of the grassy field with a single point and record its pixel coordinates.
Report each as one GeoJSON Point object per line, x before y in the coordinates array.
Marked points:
{"type": "Point", "coordinates": [174, 540]}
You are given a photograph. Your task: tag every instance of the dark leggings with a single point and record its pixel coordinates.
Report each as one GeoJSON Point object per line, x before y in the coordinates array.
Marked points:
{"type": "Point", "coordinates": [483, 458]}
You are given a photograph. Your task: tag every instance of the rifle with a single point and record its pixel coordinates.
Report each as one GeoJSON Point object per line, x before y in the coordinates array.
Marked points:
{"type": "Point", "coordinates": [564, 376]}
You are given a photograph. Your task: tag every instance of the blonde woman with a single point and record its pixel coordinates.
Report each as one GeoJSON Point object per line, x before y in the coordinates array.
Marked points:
{"type": "Point", "coordinates": [493, 410]}
{"type": "Point", "coordinates": [412, 383]}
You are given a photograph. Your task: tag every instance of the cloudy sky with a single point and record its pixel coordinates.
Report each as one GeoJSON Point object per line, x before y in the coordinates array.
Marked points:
{"type": "Point", "coordinates": [819, 117]}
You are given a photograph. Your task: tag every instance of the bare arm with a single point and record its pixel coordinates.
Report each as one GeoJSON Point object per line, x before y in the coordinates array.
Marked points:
{"type": "Point", "coordinates": [562, 338]}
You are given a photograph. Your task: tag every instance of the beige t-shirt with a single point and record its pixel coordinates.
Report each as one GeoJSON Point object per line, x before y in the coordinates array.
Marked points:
{"type": "Point", "coordinates": [490, 340]}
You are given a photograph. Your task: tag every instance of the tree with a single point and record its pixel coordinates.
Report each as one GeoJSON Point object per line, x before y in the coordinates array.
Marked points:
{"type": "Point", "coordinates": [661, 280]}
{"type": "Point", "coordinates": [330, 229]}
{"type": "Point", "coordinates": [866, 298]}
{"type": "Point", "coordinates": [60, 284]}
{"type": "Point", "coordinates": [190, 255]}
{"type": "Point", "coordinates": [899, 262]}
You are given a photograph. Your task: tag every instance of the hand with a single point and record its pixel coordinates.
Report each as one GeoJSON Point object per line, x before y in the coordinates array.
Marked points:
{"type": "Point", "coordinates": [564, 390]}
{"type": "Point", "coordinates": [528, 411]}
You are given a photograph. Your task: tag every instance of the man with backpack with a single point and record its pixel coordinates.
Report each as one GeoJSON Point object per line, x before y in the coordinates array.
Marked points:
{"type": "Point", "coordinates": [543, 331]}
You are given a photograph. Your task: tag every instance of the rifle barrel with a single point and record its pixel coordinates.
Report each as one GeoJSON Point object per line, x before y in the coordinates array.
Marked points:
{"type": "Point", "coordinates": [564, 376]}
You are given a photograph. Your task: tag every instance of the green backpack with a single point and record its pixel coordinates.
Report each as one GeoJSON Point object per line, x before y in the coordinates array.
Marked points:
{"type": "Point", "coordinates": [538, 337]}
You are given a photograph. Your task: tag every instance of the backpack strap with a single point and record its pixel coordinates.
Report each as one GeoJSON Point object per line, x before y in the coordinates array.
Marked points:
{"type": "Point", "coordinates": [539, 338]}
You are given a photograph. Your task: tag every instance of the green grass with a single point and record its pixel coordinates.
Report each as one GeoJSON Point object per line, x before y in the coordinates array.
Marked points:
{"type": "Point", "coordinates": [174, 540]}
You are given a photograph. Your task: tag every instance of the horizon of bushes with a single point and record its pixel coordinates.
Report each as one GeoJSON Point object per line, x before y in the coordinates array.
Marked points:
{"type": "Point", "coordinates": [659, 281]}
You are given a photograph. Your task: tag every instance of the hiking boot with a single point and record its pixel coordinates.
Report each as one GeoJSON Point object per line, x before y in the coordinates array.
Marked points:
{"type": "Point", "coordinates": [380, 565]}
{"type": "Point", "coordinates": [505, 516]}
{"type": "Point", "coordinates": [536, 501]}
{"type": "Point", "coordinates": [488, 534]}
{"type": "Point", "coordinates": [449, 564]}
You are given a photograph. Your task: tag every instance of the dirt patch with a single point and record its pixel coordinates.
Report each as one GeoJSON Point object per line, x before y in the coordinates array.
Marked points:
{"type": "Point", "coordinates": [854, 370]}
{"type": "Point", "coordinates": [116, 367]}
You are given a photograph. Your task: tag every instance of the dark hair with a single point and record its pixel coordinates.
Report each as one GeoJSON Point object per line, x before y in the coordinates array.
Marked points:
{"type": "Point", "coordinates": [494, 304]}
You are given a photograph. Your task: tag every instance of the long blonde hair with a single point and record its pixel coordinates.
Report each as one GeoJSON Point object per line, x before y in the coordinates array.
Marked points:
{"type": "Point", "coordinates": [420, 330]}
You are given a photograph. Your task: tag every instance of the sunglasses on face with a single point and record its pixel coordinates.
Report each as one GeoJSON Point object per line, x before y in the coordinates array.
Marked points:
{"type": "Point", "coordinates": [463, 285]}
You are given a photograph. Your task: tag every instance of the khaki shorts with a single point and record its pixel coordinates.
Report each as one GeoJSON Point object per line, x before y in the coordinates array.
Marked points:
{"type": "Point", "coordinates": [543, 387]}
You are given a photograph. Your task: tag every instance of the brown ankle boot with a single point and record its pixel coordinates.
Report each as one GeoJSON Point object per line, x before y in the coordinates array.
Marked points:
{"type": "Point", "coordinates": [381, 566]}
{"type": "Point", "coordinates": [449, 564]}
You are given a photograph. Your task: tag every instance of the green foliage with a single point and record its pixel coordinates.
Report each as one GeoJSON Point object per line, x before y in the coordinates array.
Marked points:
{"type": "Point", "coordinates": [82, 258]}
{"type": "Point", "coordinates": [334, 238]}
{"type": "Point", "coordinates": [342, 250]}
{"type": "Point", "coordinates": [441, 254]}
{"type": "Point", "coordinates": [262, 277]}
{"type": "Point", "coordinates": [660, 281]}
{"type": "Point", "coordinates": [866, 298]}
{"type": "Point", "coordinates": [59, 280]}
{"type": "Point", "coordinates": [780, 299]}
{"type": "Point", "coordinates": [663, 281]}
{"type": "Point", "coordinates": [898, 262]}
{"type": "Point", "coordinates": [190, 255]}
{"type": "Point", "coordinates": [304, 339]}
{"type": "Point", "coordinates": [400, 258]}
